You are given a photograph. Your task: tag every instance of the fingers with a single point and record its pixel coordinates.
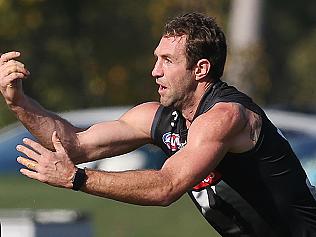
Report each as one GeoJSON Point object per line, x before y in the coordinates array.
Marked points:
{"type": "Point", "coordinates": [11, 69]}
{"type": "Point", "coordinates": [28, 152]}
{"type": "Point", "coordinates": [14, 63]}
{"type": "Point", "coordinates": [38, 148]}
{"type": "Point", "coordinates": [30, 164]}
{"type": "Point", "coordinates": [8, 56]}
{"type": "Point", "coordinates": [13, 66]}
{"type": "Point", "coordinates": [30, 174]}
{"type": "Point", "coordinates": [12, 78]}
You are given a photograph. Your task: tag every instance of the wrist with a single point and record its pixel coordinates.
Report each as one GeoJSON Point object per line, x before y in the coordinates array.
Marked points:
{"type": "Point", "coordinates": [16, 103]}
{"type": "Point", "coordinates": [79, 179]}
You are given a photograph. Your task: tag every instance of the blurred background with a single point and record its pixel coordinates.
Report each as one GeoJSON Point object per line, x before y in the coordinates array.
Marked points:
{"type": "Point", "coordinates": [95, 54]}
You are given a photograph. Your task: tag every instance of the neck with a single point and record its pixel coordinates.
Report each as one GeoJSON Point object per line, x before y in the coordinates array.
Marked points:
{"type": "Point", "coordinates": [189, 110]}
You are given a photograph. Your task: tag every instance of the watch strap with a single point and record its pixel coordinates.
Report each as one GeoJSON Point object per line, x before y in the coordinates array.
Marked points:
{"type": "Point", "coordinates": [79, 179]}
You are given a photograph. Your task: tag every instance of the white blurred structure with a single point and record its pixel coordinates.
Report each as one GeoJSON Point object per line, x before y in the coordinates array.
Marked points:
{"type": "Point", "coordinates": [244, 23]}
{"type": "Point", "coordinates": [148, 156]}
{"type": "Point", "coordinates": [293, 121]}
{"type": "Point", "coordinates": [244, 43]}
{"type": "Point", "coordinates": [44, 223]}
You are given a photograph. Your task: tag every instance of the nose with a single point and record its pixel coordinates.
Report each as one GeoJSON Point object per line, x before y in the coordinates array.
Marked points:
{"type": "Point", "coordinates": [157, 70]}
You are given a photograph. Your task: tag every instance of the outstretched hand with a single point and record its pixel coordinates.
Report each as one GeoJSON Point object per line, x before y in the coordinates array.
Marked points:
{"type": "Point", "coordinates": [11, 73]}
{"type": "Point", "coordinates": [53, 168]}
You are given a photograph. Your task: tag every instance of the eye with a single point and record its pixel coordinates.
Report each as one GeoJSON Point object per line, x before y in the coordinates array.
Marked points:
{"type": "Point", "coordinates": [167, 60]}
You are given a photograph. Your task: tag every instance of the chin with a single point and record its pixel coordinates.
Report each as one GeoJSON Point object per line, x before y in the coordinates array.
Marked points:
{"type": "Point", "coordinates": [165, 102]}
{"type": "Point", "coordinates": [170, 104]}
{"type": "Point", "coordinates": [171, 101]}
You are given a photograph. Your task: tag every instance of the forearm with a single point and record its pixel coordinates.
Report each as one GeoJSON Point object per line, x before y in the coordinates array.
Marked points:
{"type": "Point", "coordinates": [143, 187]}
{"type": "Point", "coordinates": [42, 123]}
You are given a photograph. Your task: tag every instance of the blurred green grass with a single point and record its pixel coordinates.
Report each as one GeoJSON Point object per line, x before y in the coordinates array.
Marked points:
{"type": "Point", "coordinates": [110, 218]}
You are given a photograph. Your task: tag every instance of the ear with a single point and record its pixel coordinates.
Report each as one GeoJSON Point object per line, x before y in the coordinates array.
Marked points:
{"type": "Point", "coordinates": [202, 69]}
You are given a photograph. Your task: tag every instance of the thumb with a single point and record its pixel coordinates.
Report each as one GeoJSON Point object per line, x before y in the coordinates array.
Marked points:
{"type": "Point", "coordinates": [57, 143]}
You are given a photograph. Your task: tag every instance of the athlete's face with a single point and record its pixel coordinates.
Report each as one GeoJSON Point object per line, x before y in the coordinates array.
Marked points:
{"type": "Point", "coordinates": [176, 83]}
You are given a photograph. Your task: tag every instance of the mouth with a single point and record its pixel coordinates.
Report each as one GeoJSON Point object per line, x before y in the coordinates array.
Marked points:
{"type": "Point", "coordinates": [161, 89]}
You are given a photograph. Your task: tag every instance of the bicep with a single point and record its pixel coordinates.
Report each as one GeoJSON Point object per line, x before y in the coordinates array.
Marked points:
{"type": "Point", "coordinates": [210, 137]}
{"type": "Point", "coordinates": [194, 162]}
{"type": "Point", "coordinates": [111, 138]}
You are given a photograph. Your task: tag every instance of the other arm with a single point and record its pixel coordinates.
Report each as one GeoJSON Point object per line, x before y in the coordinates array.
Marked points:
{"type": "Point", "coordinates": [182, 171]}
{"type": "Point", "coordinates": [40, 122]}
{"type": "Point", "coordinates": [100, 140]}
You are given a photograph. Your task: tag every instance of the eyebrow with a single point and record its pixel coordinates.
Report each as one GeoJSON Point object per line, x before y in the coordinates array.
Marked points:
{"type": "Point", "coordinates": [167, 55]}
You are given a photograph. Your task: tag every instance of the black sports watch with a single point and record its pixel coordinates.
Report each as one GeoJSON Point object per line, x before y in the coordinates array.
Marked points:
{"type": "Point", "coordinates": [79, 179]}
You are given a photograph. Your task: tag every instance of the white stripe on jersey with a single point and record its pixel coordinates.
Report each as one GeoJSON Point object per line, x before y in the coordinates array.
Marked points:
{"type": "Point", "coordinates": [204, 199]}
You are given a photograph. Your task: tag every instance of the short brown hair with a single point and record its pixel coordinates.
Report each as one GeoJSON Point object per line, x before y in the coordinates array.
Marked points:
{"type": "Point", "coordinates": [205, 39]}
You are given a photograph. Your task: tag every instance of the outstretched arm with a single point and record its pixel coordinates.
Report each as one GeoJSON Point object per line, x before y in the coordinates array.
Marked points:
{"type": "Point", "coordinates": [100, 140]}
{"type": "Point", "coordinates": [181, 172]}
{"type": "Point", "coordinates": [40, 122]}
{"type": "Point", "coordinates": [108, 139]}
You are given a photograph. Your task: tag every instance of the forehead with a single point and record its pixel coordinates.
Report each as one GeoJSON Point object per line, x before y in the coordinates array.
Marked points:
{"type": "Point", "coordinates": [173, 45]}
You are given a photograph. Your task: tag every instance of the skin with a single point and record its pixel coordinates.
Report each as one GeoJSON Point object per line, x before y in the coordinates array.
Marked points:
{"type": "Point", "coordinates": [178, 86]}
{"type": "Point", "coordinates": [234, 129]}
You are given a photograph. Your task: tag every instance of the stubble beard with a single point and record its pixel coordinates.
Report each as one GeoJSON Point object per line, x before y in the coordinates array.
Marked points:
{"type": "Point", "coordinates": [166, 102]}
{"type": "Point", "coordinates": [168, 99]}
{"type": "Point", "coordinates": [179, 97]}
{"type": "Point", "coordinates": [173, 100]}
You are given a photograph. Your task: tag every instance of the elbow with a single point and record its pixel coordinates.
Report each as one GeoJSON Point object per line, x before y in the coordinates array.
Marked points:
{"type": "Point", "coordinates": [170, 190]}
{"type": "Point", "coordinates": [166, 202]}
{"type": "Point", "coordinates": [167, 197]}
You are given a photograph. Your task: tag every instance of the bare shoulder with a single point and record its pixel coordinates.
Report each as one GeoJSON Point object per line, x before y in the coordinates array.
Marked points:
{"type": "Point", "coordinates": [141, 116]}
{"type": "Point", "coordinates": [145, 110]}
{"type": "Point", "coordinates": [225, 116]}
{"type": "Point", "coordinates": [210, 136]}
{"type": "Point", "coordinates": [222, 123]}
{"type": "Point", "coordinates": [230, 125]}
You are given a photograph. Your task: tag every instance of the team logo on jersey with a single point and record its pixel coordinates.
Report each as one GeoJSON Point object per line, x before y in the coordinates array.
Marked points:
{"type": "Point", "coordinates": [172, 141]}
{"type": "Point", "coordinates": [212, 179]}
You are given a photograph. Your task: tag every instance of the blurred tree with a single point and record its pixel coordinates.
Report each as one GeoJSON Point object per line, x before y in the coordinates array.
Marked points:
{"type": "Point", "coordinates": [99, 53]}
{"type": "Point", "coordinates": [289, 35]}
{"type": "Point", "coordinates": [88, 54]}
{"type": "Point", "coordinates": [301, 64]}
{"type": "Point", "coordinates": [245, 65]}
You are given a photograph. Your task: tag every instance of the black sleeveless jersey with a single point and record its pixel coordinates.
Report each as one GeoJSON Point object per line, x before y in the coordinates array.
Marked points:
{"type": "Point", "coordinates": [261, 192]}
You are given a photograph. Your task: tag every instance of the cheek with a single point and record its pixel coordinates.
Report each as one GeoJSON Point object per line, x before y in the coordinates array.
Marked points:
{"type": "Point", "coordinates": [177, 76]}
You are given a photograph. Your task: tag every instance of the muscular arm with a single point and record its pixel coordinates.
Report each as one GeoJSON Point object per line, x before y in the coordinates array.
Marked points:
{"type": "Point", "coordinates": [40, 122]}
{"type": "Point", "coordinates": [101, 140]}
{"type": "Point", "coordinates": [210, 137]}
{"type": "Point", "coordinates": [130, 131]}
{"type": "Point", "coordinates": [182, 171]}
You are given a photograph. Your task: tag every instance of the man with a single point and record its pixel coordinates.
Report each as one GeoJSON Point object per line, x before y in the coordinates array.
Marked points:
{"type": "Point", "coordinates": [236, 166]}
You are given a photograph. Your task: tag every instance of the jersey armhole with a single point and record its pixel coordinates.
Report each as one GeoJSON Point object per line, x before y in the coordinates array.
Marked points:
{"type": "Point", "coordinates": [155, 123]}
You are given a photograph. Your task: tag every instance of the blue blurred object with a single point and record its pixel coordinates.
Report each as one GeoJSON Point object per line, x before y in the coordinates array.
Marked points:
{"type": "Point", "coordinates": [9, 137]}
{"type": "Point", "coordinates": [148, 156]}
{"type": "Point", "coordinates": [298, 128]}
